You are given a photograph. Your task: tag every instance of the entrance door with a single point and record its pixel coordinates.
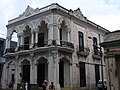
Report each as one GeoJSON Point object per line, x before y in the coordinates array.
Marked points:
{"type": "Point", "coordinates": [40, 73]}
{"type": "Point", "coordinates": [41, 40]}
{"type": "Point", "coordinates": [26, 73]}
{"type": "Point", "coordinates": [61, 73]}
{"type": "Point", "coordinates": [97, 73]}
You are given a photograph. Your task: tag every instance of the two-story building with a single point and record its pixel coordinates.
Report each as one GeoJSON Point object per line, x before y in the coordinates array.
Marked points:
{"type": "Point", "coordinates": [54, 44]}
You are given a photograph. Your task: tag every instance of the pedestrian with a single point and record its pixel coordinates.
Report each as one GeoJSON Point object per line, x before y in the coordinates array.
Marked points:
{"type": "Point", "coordinates": [52, 87]}
{"type": "Point", "coordinates": [44, 85]}
{"type": "Point", "coordinates": [26, 85]}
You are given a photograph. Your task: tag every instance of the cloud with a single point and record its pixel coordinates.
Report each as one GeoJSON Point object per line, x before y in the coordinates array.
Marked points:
{"type": "Point", "coordinates": [110, 22]}
{"type": "Point", "coordinates": [95, 10]}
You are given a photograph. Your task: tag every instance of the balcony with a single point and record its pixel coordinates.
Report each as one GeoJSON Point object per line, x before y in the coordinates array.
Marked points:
{"type": "Point", "coordinates": [10, 50]}
{"type": "Point", "coordinates": [96, 53]}
{"type": "Point", "coordinates": [83, 51]}
{"type": "Point", "coordinates": [45, 46]}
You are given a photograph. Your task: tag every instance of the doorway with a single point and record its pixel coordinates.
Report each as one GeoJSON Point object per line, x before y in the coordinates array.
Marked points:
{"type": "Point", "coordinates": [40, 73]}
{"type": "Point", "coordinates": [61, 73]}
{"type": "Point", "coordinates": [26, 73]}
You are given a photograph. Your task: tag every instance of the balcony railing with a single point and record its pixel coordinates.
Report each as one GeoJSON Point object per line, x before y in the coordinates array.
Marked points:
{"type": "Point", "coordinates": [65, 44]}
{"type": "Point", "coordinates": [96, 52]}
{"type": "Point", "coordinates": [83, 51]}
{"type": "Point", "coordinates": [10, 50]}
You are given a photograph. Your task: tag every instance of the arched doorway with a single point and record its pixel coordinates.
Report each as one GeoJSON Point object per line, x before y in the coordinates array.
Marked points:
{"type": "Point", "coordinates": [11, 79]}
{"type": "Point", "coordinates": [26, 70]}
{"type": "Point", "coordinates": [42, 71]}
{"type": "Point", "coordinates": [64, 72]}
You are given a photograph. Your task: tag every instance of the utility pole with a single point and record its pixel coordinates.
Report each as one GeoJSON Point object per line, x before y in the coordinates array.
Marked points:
{"type": "Point", "coordinates": [101, 54]}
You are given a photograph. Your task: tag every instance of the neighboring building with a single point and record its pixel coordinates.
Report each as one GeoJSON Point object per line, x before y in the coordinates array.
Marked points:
{"type": "Point", "coordinates": [111, 45]}
{"type": "Point", "coordinates": [53, 44]}
{"type": "Point", "coordinates": [2, 59]}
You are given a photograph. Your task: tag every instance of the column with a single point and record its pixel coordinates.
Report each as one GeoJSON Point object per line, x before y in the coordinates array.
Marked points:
{"type": "Point", "coordinates": [32, 40]}
{"type": "Point", "coordinates": [57, 76]}
{"type": "Point", "coordinates": [22, 39]}
{"type": "Point", "coordinates": [6, 45]}
{"type": "Point", "coordinates": [32, 68]}
{"type": "Point", "coordinates": [16, 72]}
{"type": "Point", "coordinates": [68, 32]}
{"type": "Point", "coordinates": [8, 39]}
{"type": "Point", "coordinates": [56, 33]}
{"type": "Point", "coordinates": [36, 36]}
{"type": "Point", "coordinates": [50, 34]}
{"type": "Point", "coordinates": [18, 42]}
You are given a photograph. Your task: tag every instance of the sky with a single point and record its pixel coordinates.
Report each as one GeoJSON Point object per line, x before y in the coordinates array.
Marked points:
{"type": "Point", "coordinates": [105, 13]}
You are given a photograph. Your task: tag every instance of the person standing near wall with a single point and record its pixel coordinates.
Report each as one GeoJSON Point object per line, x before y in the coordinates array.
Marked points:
{"type": "Point", "coordinates": [52, 87]}
{"type": "Point", "coordinates": [44, 85]}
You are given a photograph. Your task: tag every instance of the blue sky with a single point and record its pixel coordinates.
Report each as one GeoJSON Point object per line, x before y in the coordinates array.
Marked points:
{"type": "Point", "coordinates": [105, 13]}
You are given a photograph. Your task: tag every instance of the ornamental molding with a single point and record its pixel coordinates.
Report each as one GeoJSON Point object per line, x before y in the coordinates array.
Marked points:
{"type": "Point", "coordinates": [66, 21]}
{"type": "Point", "coordinates": [77, 13]}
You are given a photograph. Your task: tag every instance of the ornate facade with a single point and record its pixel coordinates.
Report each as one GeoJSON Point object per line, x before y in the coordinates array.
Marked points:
{"type": "Point", "coordinates": [53, 45]}
{"type": "Point", "coordinates": [111, 45]}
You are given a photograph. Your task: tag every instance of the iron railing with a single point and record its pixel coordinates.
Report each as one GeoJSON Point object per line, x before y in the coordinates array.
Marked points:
{"type": "Point", "coordinates": [57, 43]}
{"type": "Point", "coordinates": [84, 51]}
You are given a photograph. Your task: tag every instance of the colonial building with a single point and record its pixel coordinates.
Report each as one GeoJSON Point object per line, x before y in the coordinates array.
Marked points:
{"type": "Point", "coordinates": [111, 45]}
{"type": "Point", "coordinates": [53, 45]}
{"type": "Point", "coordinates": [2, 58]}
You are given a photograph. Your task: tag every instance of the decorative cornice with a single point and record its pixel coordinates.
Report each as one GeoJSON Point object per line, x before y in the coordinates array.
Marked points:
{"type": "Point", "coordinates": [77, 13]}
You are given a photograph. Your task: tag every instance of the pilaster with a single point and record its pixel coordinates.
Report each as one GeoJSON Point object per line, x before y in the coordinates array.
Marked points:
{"type": "Point", "coordinates": [71, 75]}
{"type": "Point", "coordinates": [17, 75]}
{"type": "Point", "coordinates": [50, 68]}
{"type": "Point", "coordinates": [55, 69]}
{"type": "Point", "coordinates": [35, 73]}
{"type": "Point", "coordinates": [32, 71]}
{"type": "Point", "coordinates": [4, 77]}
